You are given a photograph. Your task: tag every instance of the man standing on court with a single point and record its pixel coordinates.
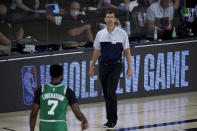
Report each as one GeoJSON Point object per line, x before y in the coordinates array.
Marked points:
{"type": "Point", "coordinates": [109, 45]}
{"type": "Point", "coordinates": [52, 100]}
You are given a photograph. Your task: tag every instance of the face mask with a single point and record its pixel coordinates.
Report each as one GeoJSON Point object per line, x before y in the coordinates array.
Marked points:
{"type": "Point", "coordinates": [74, 12]}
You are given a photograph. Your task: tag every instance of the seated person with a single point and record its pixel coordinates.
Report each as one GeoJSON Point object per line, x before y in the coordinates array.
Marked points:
{"type": "Point", "coordinates": [125, 6]}
{"type": "Point", "coordinates": [8, 4]}
{"type": "Point", "coordinates": [159, 16]}
{"type": "Point", "coordinates": [28, 5]}
{"type": "Point", "coordinates": [6, 32]}
{"type": "Point", "coordinates": [109, 4]}
{"type": "Point", "coordinates": [195, 12]}
{"type": "Point", "coordinates": [128, 5]}
{"type": "Point", "coordinates": [27, 10]}
{"type": "Point", "coordinates": [194, 23]}
{"type": "Point", "coordinates": [152, 1]}
{"type": "Point", "coordinates": [176, 4]}
{"type": "Point", "coordinates": [177, 18]}
{"type": "Point", "coordinates": [137, 20]}
{"type": "Point", "coordinates": [72, 26]}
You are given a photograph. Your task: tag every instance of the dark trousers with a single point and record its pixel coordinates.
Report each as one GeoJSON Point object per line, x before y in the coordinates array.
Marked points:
{"type": "Point", "coordinates": [109, 76]}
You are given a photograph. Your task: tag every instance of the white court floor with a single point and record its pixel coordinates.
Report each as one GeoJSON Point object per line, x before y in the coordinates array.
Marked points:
{"type": "Point", "coordinates": [174, 112]}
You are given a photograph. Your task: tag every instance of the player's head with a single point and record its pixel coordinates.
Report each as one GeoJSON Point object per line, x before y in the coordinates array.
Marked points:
{"type": "Point", "coordinates": [110, 17]}
{"type": "Point", "coordinates": [110, 12]}
{"type": "Point", "coordinates": [74, 9]}
{"type": "Point", "coordinates": [56, 71]}
{"type": "Point", "coordinates": [3, 9]}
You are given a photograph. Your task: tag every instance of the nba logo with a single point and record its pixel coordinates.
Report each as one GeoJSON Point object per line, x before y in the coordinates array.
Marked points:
{"type": "Point", "coordinates": [29, 83]}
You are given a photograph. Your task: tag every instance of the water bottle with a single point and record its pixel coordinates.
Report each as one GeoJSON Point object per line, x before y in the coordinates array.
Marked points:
{"type": "Point", "coordinates": [155, 34]}
{"type": "Point", "coordinates": [190, 32]}
{"type": "Point", "coordinates": [127, 24]}
{"type": "Point", "coordinates": [60, 47]}
{"type": "Point", "coordinates": [174, 32]}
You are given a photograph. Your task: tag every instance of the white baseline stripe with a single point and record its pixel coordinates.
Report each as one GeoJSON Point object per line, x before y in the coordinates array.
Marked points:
{"type": "Point", "coordinates": [2, 60]}
{"type": "Point", "coordinates": [52, 120]}
{"type": "Point", "coordinates": [33, 57]}
{"type": "Point", "coordinates": [171, 43]}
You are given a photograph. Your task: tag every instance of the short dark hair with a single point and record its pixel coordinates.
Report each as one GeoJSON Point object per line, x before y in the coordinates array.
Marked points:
{"type": "Point", "coordinates": [110, 12]}
{"type": "Point", "coordinates": [56, 70]}
{"type": "Point", "coordinates": [74, 1]}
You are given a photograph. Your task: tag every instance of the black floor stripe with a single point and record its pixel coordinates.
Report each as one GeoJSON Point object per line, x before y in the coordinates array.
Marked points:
{"type": "Point", "coordinates": [191, 129]}
{"type": "Point", "coordinates": [9, 129]}
{"type": "Point", "coordinates": [157, 125]}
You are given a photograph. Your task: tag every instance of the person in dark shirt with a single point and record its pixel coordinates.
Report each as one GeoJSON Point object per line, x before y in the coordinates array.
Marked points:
{"type": "Point", "coordinates": [52, 100]}
{"type": "Point", "coordinates": [109, 4]}
{"type": "Point", "coordinates": [28, 5]}
{"type": "Point", "coordinates": [8, 31]}
{"type": "Point", "coordinates": [109, 45]}
{"type": "Point", "coordinates": [72, 25]}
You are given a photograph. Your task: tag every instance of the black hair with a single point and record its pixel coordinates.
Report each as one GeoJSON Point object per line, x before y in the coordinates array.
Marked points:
{"type": "Point", "coordinates": [110, 12]}
{"type": "Point", "coordinates": [74, 2]}
{"type": "Point", "coordinates": [56, 70]}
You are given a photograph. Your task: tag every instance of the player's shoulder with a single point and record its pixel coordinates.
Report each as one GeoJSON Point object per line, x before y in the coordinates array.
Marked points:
{"type": "Point", "coordinates": [69, 90]}
{"type": "Point", "coordinates": [39, 88]}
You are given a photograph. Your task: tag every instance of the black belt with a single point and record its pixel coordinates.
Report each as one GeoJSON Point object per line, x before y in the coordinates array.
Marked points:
{"type": "Point", "coordinates": [115, 62]}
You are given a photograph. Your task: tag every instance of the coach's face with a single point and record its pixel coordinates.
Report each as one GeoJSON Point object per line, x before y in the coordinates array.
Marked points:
{"type": "Point", "coordinates": [110, 19]}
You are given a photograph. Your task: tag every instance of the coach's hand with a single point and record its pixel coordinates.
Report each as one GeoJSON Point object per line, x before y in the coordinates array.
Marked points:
{"type": "Point", "coordinates": [129, 72]}
{"type": "Point", "coordinates": [91, 72]}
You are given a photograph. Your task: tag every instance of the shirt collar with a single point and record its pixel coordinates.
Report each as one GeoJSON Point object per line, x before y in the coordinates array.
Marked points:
{"type": "Point", "coordinates": [112, 31]}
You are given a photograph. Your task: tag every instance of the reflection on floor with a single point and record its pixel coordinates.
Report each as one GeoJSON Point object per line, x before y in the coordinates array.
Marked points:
{"type": "Point", "coordinates": [175, 112]}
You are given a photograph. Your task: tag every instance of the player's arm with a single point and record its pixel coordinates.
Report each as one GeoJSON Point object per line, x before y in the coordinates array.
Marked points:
{"type": "Point", "coordinates": [75, 108]}
{"type": "Point", "coordinates": [4, 39]}
{"type": "Point", "coordinates": [35, 109]}
{"type": "Point", "coordinates": [96, 54]}
{"type": "Point", "coordinates": [80, 116]}
{"type": "Point", "coordinates": [111, 5]}
{"type": "Point", "coordinates": [128, 57]}
{"type": "Point", "coordinates": [37, 4]}
{"type": "Point", "coordinates": [20, 4]}
{"type": "Point", "coordinates": [20, 33]}
{"type": "Point", "coordinates": [127, 53]}
{"type": "Point", "coordinates": [33, 116]}
{"type": "Point", "coordinates": [78, 30]}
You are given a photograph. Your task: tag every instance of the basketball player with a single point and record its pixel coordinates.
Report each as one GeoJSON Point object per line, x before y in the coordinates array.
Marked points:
{"type": "Point", "coordinates": [52, 100]}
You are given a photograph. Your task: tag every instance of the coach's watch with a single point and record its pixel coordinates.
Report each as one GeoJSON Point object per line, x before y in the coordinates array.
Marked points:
{"type": "Point", "coordinates": [129, 66]}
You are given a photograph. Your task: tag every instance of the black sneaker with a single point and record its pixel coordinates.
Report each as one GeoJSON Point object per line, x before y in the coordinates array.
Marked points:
{"type": "Point", "coordinates": [105, 125]}
{"type": "Point", "coordinates": [109, 125]}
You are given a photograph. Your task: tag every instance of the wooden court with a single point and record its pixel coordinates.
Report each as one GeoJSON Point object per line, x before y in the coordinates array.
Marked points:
{"type": "Point", "coordinates": [174, 112]}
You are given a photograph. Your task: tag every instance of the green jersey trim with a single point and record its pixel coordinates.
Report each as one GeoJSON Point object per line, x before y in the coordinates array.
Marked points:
{"type": "Point", "coordinates": [55, 85]}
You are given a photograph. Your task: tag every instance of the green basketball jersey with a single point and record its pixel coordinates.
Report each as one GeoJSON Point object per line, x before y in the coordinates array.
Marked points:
{"type": "Point", "coordinates": [53, 107]}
